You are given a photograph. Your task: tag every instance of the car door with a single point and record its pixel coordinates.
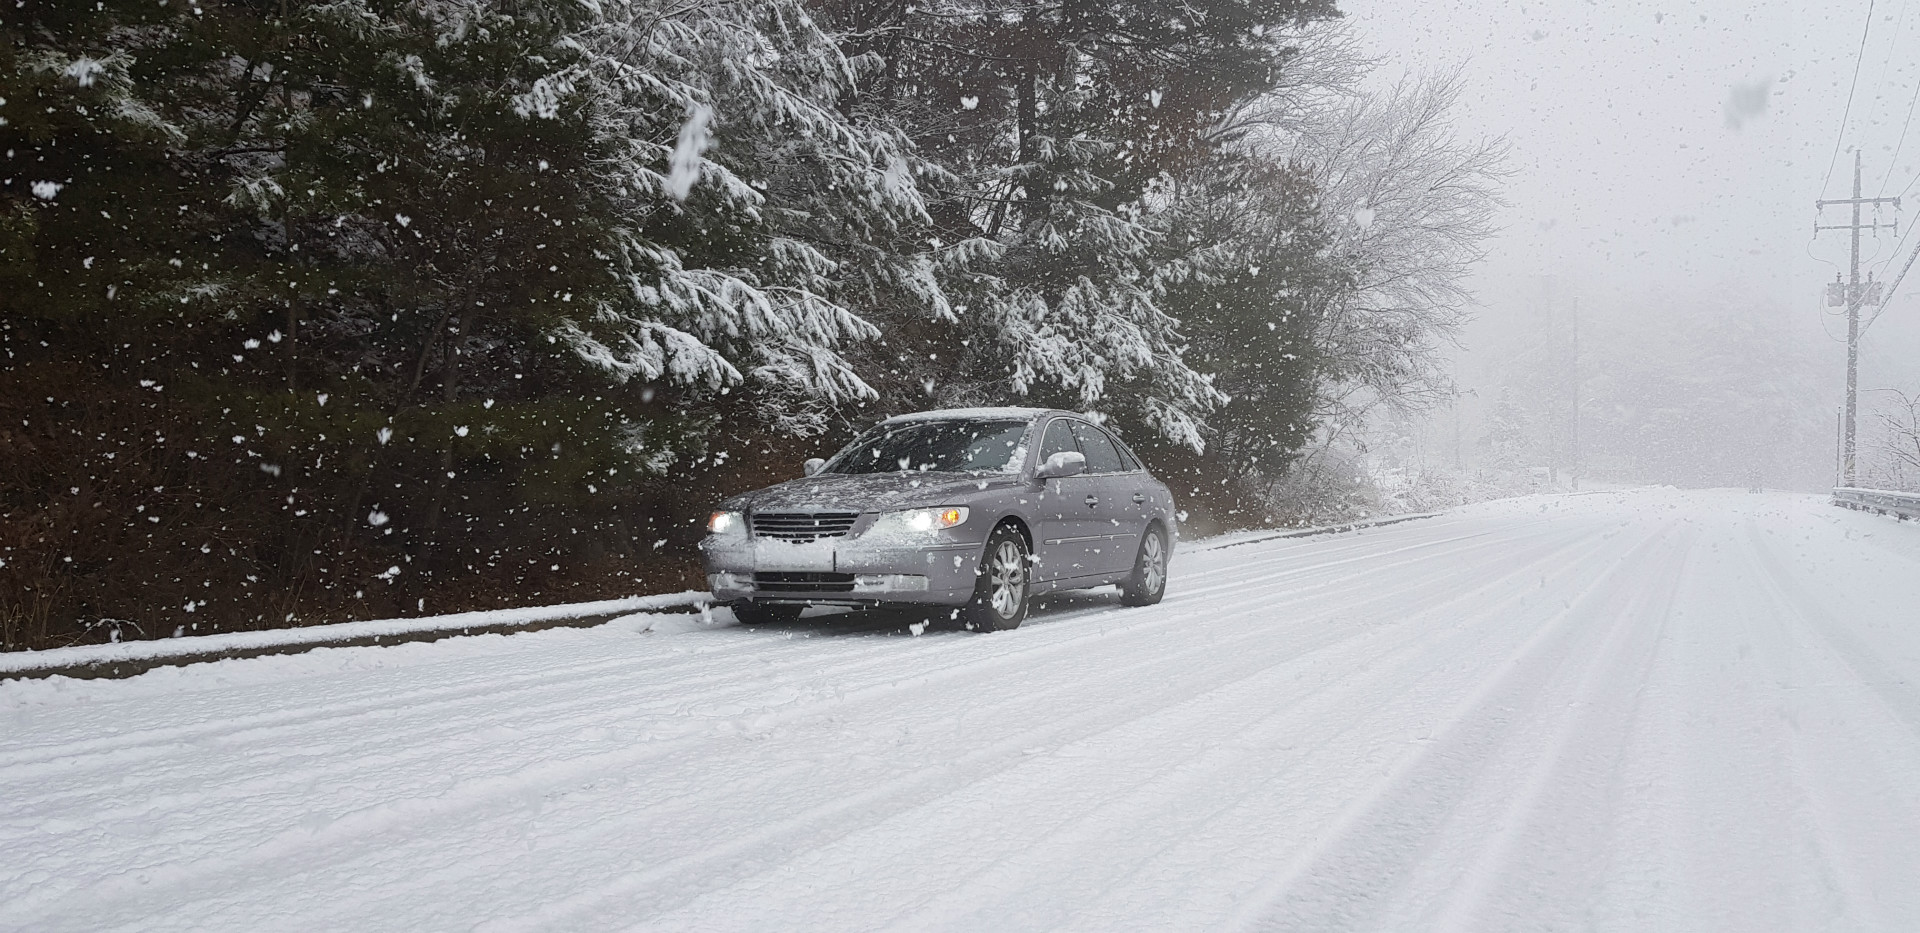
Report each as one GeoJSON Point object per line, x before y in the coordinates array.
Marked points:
{"type": "Point", "coordinates": [1110, 510]}
{"type": "Point", "coordinates": [1069, 531]}
{"type": "Point", "coordinates": [1137, 488]}
{"type": "Point", "coordinates": [1140, 490]}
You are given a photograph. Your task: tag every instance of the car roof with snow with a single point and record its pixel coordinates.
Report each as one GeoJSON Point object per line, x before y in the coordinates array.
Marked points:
{"type": "Point", "coordinates": [958, 414]}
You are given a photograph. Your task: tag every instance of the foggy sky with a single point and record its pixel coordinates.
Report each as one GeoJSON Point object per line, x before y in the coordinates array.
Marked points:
{"type": "Point", "coordinates": [1667, 154]}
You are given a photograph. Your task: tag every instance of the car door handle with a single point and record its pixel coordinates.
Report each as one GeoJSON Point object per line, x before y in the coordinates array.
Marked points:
{"type": "Point", "coordinates": [1093, 500]}
{"type": "Point", "coordinates": [1139, 498]}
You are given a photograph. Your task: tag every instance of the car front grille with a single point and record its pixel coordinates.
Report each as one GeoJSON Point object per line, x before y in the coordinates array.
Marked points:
{"type": "Point", "coordinates": [797, 582]}
{"type": "Point", "coordinates": [801, 526]}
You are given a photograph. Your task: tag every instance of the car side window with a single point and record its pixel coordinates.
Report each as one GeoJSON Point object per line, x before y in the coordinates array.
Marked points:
{"type": "Point", "coordinates": [1102, 457]}
{"type": "Point", "coordinates": [1058, 440]}
{"type": "Point", "coordinates": [1126, 454]}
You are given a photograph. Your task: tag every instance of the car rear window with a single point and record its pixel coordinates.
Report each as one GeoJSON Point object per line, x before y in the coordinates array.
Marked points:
{"type": "Point", "coordinates": [964, 446]}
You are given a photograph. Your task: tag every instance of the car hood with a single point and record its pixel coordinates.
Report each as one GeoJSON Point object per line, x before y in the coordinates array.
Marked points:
{"type": "Point", "coordinates": [869, 492]}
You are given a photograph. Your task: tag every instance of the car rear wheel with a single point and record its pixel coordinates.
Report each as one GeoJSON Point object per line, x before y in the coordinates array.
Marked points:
{"type": "Point", "coordinates": [750, 613]}
{"type": "Point", "coordinates": [1149, 580]}
{"type": "Point", "coordinates": [1000, 596]}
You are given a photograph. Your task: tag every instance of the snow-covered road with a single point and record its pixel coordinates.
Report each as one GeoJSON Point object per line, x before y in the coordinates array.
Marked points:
{"type": "Point", "coordinates": [1636, 711]}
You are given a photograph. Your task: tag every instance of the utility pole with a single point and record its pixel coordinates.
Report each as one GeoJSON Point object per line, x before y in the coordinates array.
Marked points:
{"type": "Point", "coordinates": [1839, 455]}
{"type": "Point", "coordinates": [1575, 370]}
{"type": "Point", "coordinates": [1853, 294]}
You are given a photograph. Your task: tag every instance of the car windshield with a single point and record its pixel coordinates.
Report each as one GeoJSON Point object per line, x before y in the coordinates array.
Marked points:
{"type": "Point", "coordinates": [958, 446]}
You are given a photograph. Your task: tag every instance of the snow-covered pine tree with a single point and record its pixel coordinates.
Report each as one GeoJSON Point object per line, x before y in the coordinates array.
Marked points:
{"type": "Point", "coordinates": [1244, 271]}
{"type": "Point", "coordinates": [421, 284]}
{"type": "Point", "coordinates": [1059, 121]}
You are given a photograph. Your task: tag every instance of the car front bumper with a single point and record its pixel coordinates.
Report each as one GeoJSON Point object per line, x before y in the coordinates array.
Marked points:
{"type": "Point", "coordinates": [841, 572]}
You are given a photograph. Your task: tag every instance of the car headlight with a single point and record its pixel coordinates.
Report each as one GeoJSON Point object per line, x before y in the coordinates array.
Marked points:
{"type": "Point", "coordinates": [726, 523]}
{"type": "Point", "coordinates": [921, 520]}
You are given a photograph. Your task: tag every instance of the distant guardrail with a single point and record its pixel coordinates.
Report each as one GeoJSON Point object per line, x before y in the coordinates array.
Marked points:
{"type": "Point", "coordinates": [1884, 501]}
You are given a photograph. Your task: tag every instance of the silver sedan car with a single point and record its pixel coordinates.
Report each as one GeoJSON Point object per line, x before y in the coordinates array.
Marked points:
{"type": "Point", "coordinates": [974, 509]}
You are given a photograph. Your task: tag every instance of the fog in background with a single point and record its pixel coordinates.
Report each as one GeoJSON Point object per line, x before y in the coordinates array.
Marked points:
{"type": "Point", "coordinates": [1665, 160]}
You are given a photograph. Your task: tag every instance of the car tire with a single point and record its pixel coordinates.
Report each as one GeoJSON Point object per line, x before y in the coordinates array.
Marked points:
{"type": "Point", "coordinates": [1149, 579]}
{"type": "Point", "coordinates": [1004, 583]}
{"type": "Point", "coordinates": [750, 613]}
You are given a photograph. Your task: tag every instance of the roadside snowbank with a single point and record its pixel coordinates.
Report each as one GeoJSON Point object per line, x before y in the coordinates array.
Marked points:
{"type": "Point", "coordinates": [319, 635]}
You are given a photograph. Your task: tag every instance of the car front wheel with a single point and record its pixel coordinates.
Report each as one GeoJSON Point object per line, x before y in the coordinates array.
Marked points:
{"type": "Point", "coordinates": [1149, 580]}
{"type": "Point", "coordinates": [1000, 596]}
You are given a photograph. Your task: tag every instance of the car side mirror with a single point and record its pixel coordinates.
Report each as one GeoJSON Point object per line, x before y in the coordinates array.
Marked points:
{"type": "Point", "coordinates": [813, 465]}
{"type": "Point", "coordinates": [1064, 463]}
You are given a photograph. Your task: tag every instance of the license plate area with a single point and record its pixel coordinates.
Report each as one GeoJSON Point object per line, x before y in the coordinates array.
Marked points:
{"type": "Point", "coordinates": [773, 554]}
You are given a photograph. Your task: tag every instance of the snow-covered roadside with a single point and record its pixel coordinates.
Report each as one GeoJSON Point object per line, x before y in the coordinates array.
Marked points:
{"type": "Point", "coordinates": [207, 647]}
{"type": "Point", "coordinates": [263, 672]}
{"type": "Point", "coordinates": [1257, 535]}
{"type": "Point", "coordinates": [1636, 711]}
{"type": "Point", "coordinates": [685, 608]}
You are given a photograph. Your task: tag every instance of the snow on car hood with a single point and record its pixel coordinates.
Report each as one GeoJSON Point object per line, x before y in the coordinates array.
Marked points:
{"type": "Point", "coordinates": [870, 492]}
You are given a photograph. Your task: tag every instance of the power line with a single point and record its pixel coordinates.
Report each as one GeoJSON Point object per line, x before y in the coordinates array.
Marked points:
{"type": "Point", "coordinates": [1903, 141]}
{"type": "Point", "coordinates": [1899, 245]}
{"type": "Point", "coordinates": [1886, 64]}
{"type": "Point", "coordinates": [1893, 162]}
{"type": "Point", "coordinates": [1858, 57]}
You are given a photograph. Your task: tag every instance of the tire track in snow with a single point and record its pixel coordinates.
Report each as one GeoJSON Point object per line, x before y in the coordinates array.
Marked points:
{"type": "Point", "coordinates": [264, 775]}
{"type": "Point", "coordinates": [409, 706]}
{"type": "Point", "coordinates": [1008, 652]}
{"type": "Point", "coordinates": [1392, 596]}
{"type": "Point", "coordinates": [1231, 760]}
{"type": "Point", "coordinates": [1580, 757]}
{"type": "Point", "coordinates": [1254, 822]}
{"type": "Point", "coordinates": [1358, 862]}
{"type": "Point", "coordinates": [1173, 825]}
{"type": "Point", "coordinates": [652, 886]}
{"type": "Point", "coordinates": [385, 819]}
{"type": "Point", "coordinates": [571, 771]}
{"type": "Point", "coordinates": [1895, 691]}
{"type": "Point", "coordinates": [1024, 699]}
{"type": "Point", "coordinates": [298, 782]}
{"type": "Point", "coordinates": [62, 757]}
{"type": "Point", "coordinates": [1842, 868]}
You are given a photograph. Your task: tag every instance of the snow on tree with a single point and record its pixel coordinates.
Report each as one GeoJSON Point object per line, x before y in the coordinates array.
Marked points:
{"type": "Point", "coordinates": [422, 259]}
{"type": "Point", "coordinates": [1892, 457]}
{"type": "Point", "coordinates": [1058, 124]}
{"type": "Point", "coordinates": [536, 281]}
